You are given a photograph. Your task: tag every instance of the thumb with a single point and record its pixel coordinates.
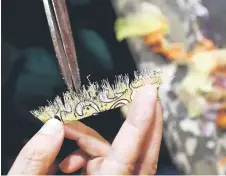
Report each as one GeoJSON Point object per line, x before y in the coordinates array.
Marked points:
{"type": "Point", "coordinates": [40, 152]}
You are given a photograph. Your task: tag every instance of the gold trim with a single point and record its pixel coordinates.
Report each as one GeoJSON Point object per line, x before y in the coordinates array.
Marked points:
{"type": "Point", "coordinates": [97, 98]}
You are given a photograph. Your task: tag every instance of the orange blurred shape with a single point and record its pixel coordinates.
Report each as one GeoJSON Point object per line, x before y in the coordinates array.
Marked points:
{"type": "Point", "coordinates": [157, 48]}
{"type": "Point", "coordinates": [153, 38]}
{"type": "Point", "coordinates": [219, 70]}
{"type": "Point", "coordinates": [206, 44]}
{"type": "Point", "coordinates": [221, 117]}
{"type": "Point", "coordinates": [203, 45]}
{"type": "Point", "coordinates": [222, 162]}
{"type": "Point", "coordinates": [176, 52]}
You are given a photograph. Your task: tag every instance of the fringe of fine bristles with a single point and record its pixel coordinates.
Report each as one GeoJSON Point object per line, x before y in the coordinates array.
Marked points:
{"type": "Point", "coordinates": [97, 98]}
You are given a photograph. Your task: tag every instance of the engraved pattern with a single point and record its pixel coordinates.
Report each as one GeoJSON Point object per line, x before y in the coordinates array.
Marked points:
{"type": "Point", "coordinates": [96, 99]}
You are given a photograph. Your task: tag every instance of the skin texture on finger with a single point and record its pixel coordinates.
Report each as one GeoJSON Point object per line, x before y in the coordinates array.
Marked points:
{"type": "Point", "coordinates": [127, 145]}
{"type": "Point", "coordinates": [87, 139]}
{"type": "Point", "coordinates": [149, 157]}
{"type": "Point", "coordinates": [40, 152]}
{"type": "Point", "coordinates": [52, 169]}
{"type": "Point", "coordinates": [74, 161]}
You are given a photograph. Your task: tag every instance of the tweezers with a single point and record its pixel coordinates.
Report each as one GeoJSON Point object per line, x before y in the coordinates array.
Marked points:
{"type": "Point", "coordinates": [60, 30]}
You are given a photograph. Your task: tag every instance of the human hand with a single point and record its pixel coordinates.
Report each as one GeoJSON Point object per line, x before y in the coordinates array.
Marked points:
{"type": "Point", "coordinates": [135, 149]}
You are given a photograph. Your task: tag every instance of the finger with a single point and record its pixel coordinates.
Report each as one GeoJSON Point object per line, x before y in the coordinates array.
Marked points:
{"type": "Point", "coordinates": [87, 139]}
{"type": "Point", "coordinates": [74, 161]}
{"type": "Point", "coordinates": [149, 157]}
{"type": "Point", "coordinates": [52, 169]}
{"type": "Point", "coordinates": [40, 152]}
{"type": "Point", "coordinates": [127, 145]}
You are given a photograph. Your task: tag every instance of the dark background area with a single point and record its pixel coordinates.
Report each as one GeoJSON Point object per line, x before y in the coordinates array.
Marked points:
{"type": "Point", "coordinates": [24, 25]}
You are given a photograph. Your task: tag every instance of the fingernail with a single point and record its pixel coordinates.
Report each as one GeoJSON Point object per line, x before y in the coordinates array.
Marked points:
{"type": "Point", "coordinates": [142, 107]}
{"type": "Point", "coordinates": [148, 91]}
{"type": "Point", "coordinates": [51, 127]}
{"type": "Point", "coordinates": [147, 95]}
{"type": "Point", "coordinates": [62, 165]}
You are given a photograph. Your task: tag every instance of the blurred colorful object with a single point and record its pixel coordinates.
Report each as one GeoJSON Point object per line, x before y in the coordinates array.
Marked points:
{"type": "Point", "coordinates": [151, 24]}
{"type": "Point", "coordinates": [204, 86]}
{"type": "Point", "coordinates": [141, 23]}
{"type": "Point", "coordinates": [222, 162]}
{"type": "Point", "coordinates": [221, 117]}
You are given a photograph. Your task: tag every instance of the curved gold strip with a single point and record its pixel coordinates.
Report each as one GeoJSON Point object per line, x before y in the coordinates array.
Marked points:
{"type": "Point", "coordinates": [90, 101]}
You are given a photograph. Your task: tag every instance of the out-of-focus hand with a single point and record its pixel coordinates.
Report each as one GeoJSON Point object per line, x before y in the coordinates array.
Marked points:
{"type": "Point", "coordinates": [40, 152]}
{"type": "Point", "coordinates": [135, 149]}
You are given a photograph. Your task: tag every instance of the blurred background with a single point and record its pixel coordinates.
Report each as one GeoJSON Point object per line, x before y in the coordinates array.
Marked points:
{"type": "Point", "coordinates": [31, 75]}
